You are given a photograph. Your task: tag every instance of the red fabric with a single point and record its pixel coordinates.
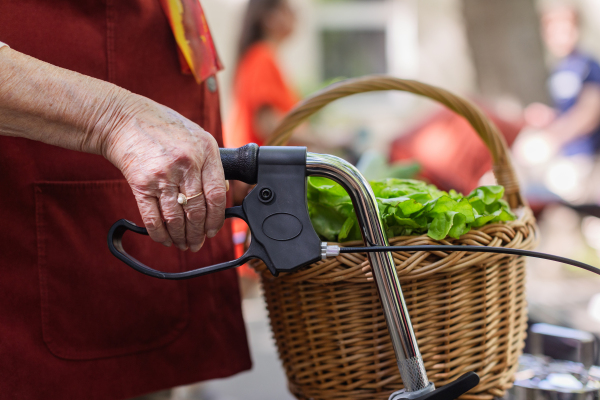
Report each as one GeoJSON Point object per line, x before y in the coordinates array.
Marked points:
{"type": "Point", "coordinates": [75, 323]}
{"type": "Point", "coordinates": [258, 83]}
{"type": "Point", "coordinates": [449, 151]}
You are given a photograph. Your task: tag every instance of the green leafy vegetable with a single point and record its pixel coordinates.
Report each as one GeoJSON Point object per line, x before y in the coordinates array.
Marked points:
{"type": "Point", "coordinates": [407, 207]}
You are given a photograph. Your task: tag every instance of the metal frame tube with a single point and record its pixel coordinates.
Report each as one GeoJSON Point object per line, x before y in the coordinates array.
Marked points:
{"type": "Point", "coordinates": [401, 331]}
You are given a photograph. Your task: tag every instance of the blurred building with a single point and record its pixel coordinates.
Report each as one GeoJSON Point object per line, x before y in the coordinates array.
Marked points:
{"type": "Point", "coordinates": [336, 39]}
{"type": "Point", "coordinates": [468, 46]}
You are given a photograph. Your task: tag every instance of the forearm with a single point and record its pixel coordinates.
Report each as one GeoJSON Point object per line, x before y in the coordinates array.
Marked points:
{"type": "Point", "coordinates": [581, 119]}
{"type": "Point", "coordinates": [53, 105]}
{"type": "Point", "coordinates": [159, 152]}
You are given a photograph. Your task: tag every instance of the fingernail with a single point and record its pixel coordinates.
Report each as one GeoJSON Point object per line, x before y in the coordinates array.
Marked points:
{"type": "Point", "coordinates": [195, 248]}
{"type": "Point", "coordinates": [212, 233]}
{"type": "Point", "coordinates": [167, 244]}
{"type": "Point", "coordinates": [227, 186]}
{"type": "Point", "coordinates": [182, 247]}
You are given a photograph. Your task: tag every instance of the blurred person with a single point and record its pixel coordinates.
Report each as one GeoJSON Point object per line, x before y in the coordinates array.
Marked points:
{"type": "Point", "coordinates": [560, 145]}
{"type": "Point", "coordinates": [261, 93]}
{"type": "Point", "coordinates": [573, 126]}
{"type": "Point", "coordinates": [558, 153]}
{"type": "Point", "coordinates": [105, 78]}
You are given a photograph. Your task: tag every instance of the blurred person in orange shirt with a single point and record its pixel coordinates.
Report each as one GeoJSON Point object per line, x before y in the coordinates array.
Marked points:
{"type": "Point", "coordinates": [261, 94]}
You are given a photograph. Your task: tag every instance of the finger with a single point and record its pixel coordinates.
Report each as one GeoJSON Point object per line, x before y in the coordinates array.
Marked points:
{"type": "Point", "coordinates": [173, 215]}
{"type": "Point", "coordinates": [213, 181]}
{"type": "Point", "coordinates": [195, 214]}
{"type": "Point", "coordinates": [152, 219]}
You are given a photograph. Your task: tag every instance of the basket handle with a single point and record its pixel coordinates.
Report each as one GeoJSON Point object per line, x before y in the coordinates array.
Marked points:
{"type": "Point", "coordinates": [487, 131]}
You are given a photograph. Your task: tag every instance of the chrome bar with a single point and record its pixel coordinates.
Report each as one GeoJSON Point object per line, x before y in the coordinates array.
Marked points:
{"type": "Point", "coordinates": [404, 342]}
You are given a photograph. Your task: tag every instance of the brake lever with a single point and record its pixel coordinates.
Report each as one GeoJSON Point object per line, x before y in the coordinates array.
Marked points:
{"type": "Point", "coordinates": [115, 244]}
{"type": "Point", "coordinates": [276, 212]}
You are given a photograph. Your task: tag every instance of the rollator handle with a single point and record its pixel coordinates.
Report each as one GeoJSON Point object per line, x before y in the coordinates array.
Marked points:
{"type": "Point", "coordinates": [275, 211]}
{"type": "Point", "coordinates": [284, 239]}
{"type": "Point", "coordinates": [241, 164]}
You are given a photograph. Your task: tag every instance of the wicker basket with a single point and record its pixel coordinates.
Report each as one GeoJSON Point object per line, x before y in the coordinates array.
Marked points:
{"type": "Point", "coordinates": [468, 309]}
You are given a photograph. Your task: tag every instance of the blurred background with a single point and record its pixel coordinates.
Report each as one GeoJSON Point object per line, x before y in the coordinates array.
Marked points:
{"type": "Point", "coordinates": [531, 65]}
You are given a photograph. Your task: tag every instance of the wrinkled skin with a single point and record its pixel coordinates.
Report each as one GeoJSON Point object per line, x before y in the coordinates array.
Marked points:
{"type": "Point", "coordinates": [160, 153]}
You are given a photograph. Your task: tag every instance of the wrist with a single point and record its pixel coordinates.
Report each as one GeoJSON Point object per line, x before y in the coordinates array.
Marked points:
{"type": "Point", "coordinates": [46, 103]}
{"type": "Point", "coordinates": [102, 127]}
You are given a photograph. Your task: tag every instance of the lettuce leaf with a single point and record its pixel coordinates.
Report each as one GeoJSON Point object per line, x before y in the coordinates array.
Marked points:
{"type": "Point", "coordinates": [407, 207]}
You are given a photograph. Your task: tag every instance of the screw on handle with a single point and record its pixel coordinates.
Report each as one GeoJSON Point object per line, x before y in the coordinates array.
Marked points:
{"type": "Point", "coordinates": [241, 164]}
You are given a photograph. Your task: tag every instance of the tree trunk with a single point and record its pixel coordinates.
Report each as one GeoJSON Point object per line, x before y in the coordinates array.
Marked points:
{"type": "Point", "coordinates": [507, 48]}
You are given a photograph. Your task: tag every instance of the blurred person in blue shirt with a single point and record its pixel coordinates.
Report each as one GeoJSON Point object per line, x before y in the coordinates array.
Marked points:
{"type": "Point", "coordinates": [574, 85]}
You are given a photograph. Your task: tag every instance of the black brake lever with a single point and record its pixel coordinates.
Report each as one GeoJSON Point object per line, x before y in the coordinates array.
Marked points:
{"type": "Point", "coordinates": [275, 211]}
{"type": "Point", "coordinates": [115, 244]}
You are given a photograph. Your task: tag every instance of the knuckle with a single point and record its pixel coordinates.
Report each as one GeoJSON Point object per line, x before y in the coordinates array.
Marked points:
{"type": "Point", "coordinates": [174, 220]}
{"type": "Point", "coordinates": [181, 157]}
{"type": "Point", "coordinates": [207, 139]}
{"type": "Point", "coordinates": [152, 223]}
{"type": "Point", "coordinates": [209, 148]}
{"type": "Point", "coordinates": [158, 174]}
{"type": "Point", "coordinates": [146, 181]}
{"type": "Point", "coordinates": [213, 146]}
{"type": "Point", "coordinates": [216, 197]}
{"type": "Point", "coordinates": [196, 214]}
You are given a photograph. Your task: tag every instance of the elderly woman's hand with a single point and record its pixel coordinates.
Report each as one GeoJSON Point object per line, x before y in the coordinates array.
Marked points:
{"type": "Point", "coordinates": [162, 154]}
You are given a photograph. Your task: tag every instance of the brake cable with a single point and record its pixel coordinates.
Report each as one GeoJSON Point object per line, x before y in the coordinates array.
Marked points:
{"type": "Point", "coordinates": [332, 250]}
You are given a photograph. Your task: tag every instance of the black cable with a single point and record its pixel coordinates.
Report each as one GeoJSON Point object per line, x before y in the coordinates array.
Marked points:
{"type": "Point", "coordinates": [473, 249]}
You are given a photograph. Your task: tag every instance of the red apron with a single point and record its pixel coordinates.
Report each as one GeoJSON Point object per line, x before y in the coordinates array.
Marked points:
{"type": "Point", "coordinates": [75, 323]}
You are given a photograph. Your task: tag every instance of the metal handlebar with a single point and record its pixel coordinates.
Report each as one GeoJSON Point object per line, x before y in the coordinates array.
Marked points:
{"type": "Point", "coordinates": [401, 331]}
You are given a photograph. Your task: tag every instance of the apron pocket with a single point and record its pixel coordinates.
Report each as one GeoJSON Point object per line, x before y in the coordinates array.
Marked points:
{"type": "Point", "coordinates": [93, 305]}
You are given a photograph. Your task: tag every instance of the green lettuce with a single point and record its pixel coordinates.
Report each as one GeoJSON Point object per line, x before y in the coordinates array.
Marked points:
{"type": "Point", "coordinates": [407, 207]}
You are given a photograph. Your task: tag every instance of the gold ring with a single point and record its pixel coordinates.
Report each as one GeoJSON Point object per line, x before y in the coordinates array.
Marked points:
{"type": "Point", "coordinates": [183, 199]}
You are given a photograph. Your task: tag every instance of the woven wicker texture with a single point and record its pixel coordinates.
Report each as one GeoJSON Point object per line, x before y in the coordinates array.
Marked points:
{"type": "Point", "coordinates": [468, 309]}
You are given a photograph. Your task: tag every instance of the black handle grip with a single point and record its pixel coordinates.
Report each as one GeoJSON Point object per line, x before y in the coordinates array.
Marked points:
{"type": "Point", "coordinates": [241, 164]}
